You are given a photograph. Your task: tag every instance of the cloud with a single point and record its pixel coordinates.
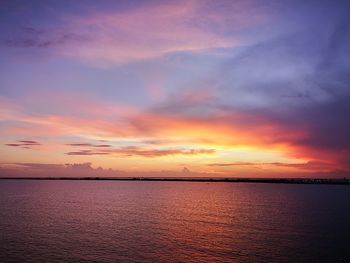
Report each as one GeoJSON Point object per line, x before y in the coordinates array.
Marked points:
{"type": "Point", "coordinates": [13, 144]}
{"type": "Point", "coordinates": [79, 144]}
{"type": "Point", "coordinates": [178, 131]}
{"type": "Point", "coordinates": [55, 170]}
{"type": "Point", "coordinates": [30, 142]}
{"type": "Point", "coordinates": [83, 170]}
{"type": "Point", "coordinates": [233, 164]}
{"type": "Point", "coordinates": [40, 39]}
{"type": "Point", "coordinates": [90, 145]}
{"type": "Point", "coordinates": [290, 91]}
{"type": "Point", "coordinates": [185, 170]}
{"type": "Point", "coordinates": [311, 165]}
{"type": "Point", "coordinates": [38, 166]}
{"type": "Point", "coordinates": [87, 152]}
{"type": "Point", "coordinates": [281, 86]}
{"type": "Point", "coordinates": [87, 170]}
{"type": "Point", "coordinates": [144, 152]}
{"type": "Point", "coordinates": [25, 144]}
{"type": "Point", "coordinates": [184, 127]}
{"type": "Point", "coordinates": [44, 166]}
{"type": "Point", "coordinates": [298, 82]}
{"type": "Point", "coordinates": [146, 31]}
{"type": "Point", "coordinates": [136, 151]}
{"type": "Point", "coordinates": [190, 102]}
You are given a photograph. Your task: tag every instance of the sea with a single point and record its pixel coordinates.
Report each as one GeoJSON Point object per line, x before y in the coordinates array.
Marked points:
{"type": "Point", "coordinates": [150, 221]}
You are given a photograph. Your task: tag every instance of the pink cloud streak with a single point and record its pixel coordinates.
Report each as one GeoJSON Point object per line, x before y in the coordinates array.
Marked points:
{"type": "Point", "coordinates": [148, 31]}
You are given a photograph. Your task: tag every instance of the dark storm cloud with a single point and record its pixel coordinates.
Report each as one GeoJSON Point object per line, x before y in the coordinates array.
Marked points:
{"type": "Point", "coordinates": [327, 121]}
{"type": "Point", "coordinates": [300, 81]}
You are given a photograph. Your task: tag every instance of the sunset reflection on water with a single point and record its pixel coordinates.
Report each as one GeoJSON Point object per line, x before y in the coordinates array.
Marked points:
{"type": "Point", "coordinates": [172, 222]}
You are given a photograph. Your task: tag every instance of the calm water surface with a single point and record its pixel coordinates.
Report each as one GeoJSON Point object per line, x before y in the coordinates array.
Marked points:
{"type": "Point", "coordinates": [121, 221]}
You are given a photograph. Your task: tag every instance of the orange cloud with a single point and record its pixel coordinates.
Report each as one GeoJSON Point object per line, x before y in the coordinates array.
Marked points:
{"type": "Point", "coordinates": [175, 130]}
{"type": "Point", "coordinates": [144, 152]}
{"type": "Point", "coordinates": [311, 165]}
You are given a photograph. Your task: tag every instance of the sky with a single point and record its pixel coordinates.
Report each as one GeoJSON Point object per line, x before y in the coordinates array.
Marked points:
{"type": "Point", "coordinates": [175, 88]}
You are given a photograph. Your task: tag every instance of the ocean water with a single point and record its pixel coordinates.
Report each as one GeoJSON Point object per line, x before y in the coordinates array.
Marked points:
{"type": "Point", "coordinates": [138, 221]}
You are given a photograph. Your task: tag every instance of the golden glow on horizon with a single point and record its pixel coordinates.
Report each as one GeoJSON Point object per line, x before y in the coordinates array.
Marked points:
{"type": "Point", "coordinates": [141, 141]}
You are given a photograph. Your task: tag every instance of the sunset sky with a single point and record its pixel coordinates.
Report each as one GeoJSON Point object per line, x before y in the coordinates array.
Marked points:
{"type": "Point", "coordinates": [175, 88]}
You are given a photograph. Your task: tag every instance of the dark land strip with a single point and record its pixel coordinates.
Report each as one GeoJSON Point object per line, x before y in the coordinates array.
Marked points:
{"type": "Point", "coordinates": [338, 181]}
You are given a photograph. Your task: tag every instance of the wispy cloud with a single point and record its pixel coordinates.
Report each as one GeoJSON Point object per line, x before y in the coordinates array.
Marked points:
{"type": "Point", "coordinates": [40, 38]}
{"type": "Point", "coordinates": [144, 32]}
{"type": "Point", "coordinates": [55, 170]}
{"type": "Point", "coordinates": [90, 145]}
{"type": "Point", "coordinates": [311, 165]}
{"type": "Point", "coordinates": [87, 152]}
{"type": "Point", "coordinates": [85, 169]}
{"type": "Point", "coordinates": [144, 152]}
{"type": "Point", "coordinates": [25, 144]}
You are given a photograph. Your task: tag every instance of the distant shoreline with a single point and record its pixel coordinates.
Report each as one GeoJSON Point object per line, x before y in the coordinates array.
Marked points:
{"type": "Point", "coordinates": [342, 181]}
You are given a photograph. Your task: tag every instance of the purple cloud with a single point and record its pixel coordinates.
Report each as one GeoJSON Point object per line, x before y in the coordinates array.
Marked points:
{"type": "Point", "coordinates": [25, 144]}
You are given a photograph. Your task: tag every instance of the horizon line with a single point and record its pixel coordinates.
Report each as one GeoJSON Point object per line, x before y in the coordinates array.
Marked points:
{"type": "Point", "coordinates": [337, 181]}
